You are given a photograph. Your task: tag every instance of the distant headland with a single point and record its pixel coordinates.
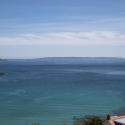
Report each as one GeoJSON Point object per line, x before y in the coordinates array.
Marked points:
{"type": "Point", "coordinates": [80, 58]}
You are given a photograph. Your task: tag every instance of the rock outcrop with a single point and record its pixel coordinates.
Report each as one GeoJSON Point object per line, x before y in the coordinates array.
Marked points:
{"type": "Point", "coordinates": [1, 73]}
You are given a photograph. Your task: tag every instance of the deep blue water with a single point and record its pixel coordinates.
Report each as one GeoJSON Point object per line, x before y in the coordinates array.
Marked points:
{"type": "Point", "coordinates": [60, 91]}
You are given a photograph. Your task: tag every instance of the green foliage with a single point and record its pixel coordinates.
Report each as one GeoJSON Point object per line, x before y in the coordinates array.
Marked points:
{"type": "Point", "coordinates": [92, 120]}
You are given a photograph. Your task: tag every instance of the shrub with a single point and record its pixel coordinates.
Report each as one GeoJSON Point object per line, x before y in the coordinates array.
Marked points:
{"type": "Point", "coordinates": [92, 120]}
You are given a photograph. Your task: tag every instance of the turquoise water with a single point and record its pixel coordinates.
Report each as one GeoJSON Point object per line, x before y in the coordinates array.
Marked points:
{"type": "Point", "coordinates": [60, 91]}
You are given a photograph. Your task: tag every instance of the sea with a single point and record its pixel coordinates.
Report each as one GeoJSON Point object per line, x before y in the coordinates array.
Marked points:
{"type": "Point", "coordinates": [60, 91]}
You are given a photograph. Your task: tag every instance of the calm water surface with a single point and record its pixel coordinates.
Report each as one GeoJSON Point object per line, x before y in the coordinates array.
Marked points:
{"type": "Point", "coordinates": [60, 91]}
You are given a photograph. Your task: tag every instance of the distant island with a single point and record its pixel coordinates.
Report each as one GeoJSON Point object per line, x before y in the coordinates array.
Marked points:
{"type": "Point", "coordinates": [3, 59]}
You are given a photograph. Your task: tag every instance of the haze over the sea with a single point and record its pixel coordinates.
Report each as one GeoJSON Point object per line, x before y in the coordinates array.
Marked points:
{"type": "Point", "coordinates": [62, 28]}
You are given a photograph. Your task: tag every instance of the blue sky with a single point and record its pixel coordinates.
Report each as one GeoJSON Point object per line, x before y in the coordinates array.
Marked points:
{"type": "Point", "coordinates": [62, 28]}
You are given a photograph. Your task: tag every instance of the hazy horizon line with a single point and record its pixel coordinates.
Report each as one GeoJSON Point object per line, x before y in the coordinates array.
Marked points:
{"type": "Point", "coordinates": [54, 57]}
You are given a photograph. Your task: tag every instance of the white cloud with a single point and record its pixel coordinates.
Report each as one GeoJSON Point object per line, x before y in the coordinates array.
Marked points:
{"type": "Point", "coordinates": [108, 34]}
{"type": "Point", "coordinates": [122, 37]}
{"type": "Point", "coordinates": [67, 38]}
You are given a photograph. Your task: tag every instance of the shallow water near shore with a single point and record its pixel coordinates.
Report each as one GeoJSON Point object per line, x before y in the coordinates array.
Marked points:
{"type": "Point", "coordinates": [60, 91]}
